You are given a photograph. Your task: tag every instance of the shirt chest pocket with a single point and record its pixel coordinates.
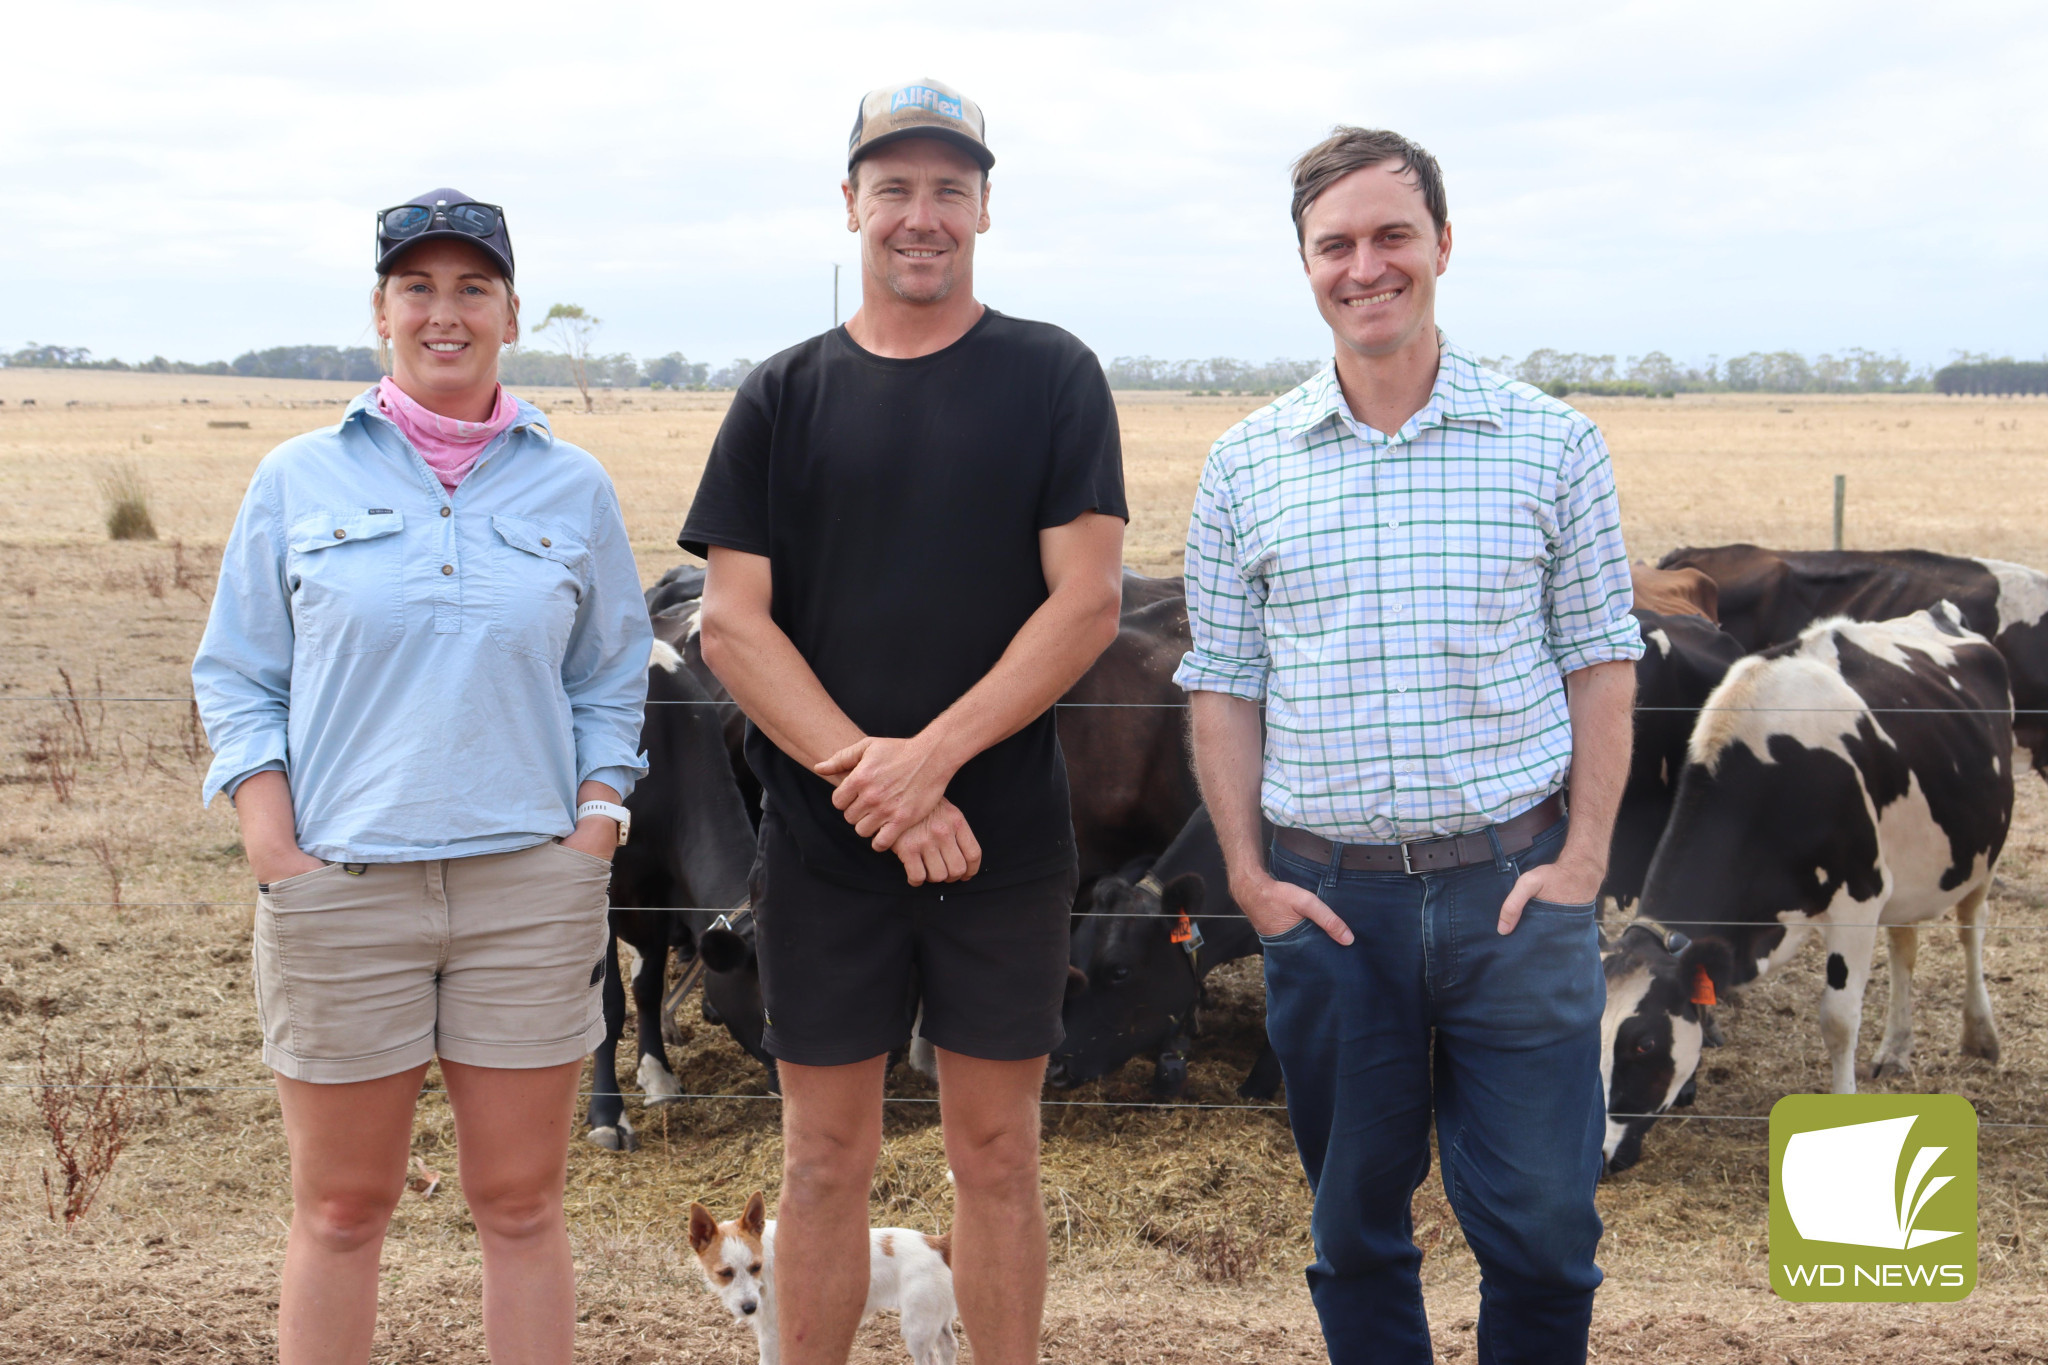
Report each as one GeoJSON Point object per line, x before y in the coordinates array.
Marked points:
{"type": "Point", "coordinates": [539, 570]}
{"type": "Point", "coordinates": [345, 573]}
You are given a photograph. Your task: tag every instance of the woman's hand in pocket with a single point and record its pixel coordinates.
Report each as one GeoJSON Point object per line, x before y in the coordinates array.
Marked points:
{"type": "Point", "coordinates": [274, 865]}
{"type": "Point", "coordinates": [596, 835]}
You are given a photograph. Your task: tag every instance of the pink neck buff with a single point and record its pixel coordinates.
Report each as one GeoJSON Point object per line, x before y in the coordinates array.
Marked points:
{"type": "Point", "coordinates": [449, 446]}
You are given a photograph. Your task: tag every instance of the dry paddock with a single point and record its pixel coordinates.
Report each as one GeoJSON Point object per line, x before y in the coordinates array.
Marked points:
{"type": "Point", "coordinates": [1177, 1235]}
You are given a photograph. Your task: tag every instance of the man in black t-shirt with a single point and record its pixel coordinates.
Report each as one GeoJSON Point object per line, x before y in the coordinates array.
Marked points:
{"type": "Point", "coordinates": [915, 531]}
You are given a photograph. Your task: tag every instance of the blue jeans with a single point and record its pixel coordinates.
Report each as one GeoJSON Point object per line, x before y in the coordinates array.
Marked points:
{"type": "Point", "coordinates": [1431, 1008]}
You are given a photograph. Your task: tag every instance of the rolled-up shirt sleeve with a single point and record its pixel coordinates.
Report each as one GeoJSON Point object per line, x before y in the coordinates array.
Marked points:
{"type": "Point", "coordinates": [242, 675]}
{"type": "Point", "coordinates": [604, 670]}
{"type": "Point", "coordinates": [1587, 594]}
{"type": "Point", "coordinates": [1229, 653]}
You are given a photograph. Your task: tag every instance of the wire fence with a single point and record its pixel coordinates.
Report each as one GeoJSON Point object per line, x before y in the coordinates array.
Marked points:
{"type": "Point", "coordinates": [2001, 926]}
{"type": "Point", "coordinates": [584, 1095]}
{"type": "Point", "coordinates": [89, 700]}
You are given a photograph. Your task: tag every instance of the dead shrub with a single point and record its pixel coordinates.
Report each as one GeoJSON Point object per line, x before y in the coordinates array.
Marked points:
{"type": "Point", "coordinates": [183, 578]}
{"type": "Point", "coordinates": [124, 499]}
{"type": "Point", "coordinates": [87, 1112]}
{"type": "Point", "coordinates": [86, 732]}
{"type": "Point", "coordinates": [1216, 1255]}
{"type": "Point", "coordinates": [54, 754]}
{"type": "Point", "coordinates": [103, 848]}
{"type": "Point", "coordinates": [193, 740]}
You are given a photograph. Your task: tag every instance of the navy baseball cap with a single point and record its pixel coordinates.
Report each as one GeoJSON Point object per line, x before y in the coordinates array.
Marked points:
{"type": "Point", "coordinates": [443, 213]}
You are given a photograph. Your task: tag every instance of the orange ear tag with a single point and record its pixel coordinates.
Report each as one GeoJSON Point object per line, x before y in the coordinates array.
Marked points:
{"type": "Point", "coordinates": [1702, 987]}
{"type": "Point", "coordinates": [1182, 931]}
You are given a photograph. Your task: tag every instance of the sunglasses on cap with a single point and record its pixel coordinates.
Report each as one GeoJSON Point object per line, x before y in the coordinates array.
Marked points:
{"type": "Point", "coordinates": [410, 220]}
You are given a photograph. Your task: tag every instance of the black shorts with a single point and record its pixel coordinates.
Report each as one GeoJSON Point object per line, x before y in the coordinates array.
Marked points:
{"type": "Point", "coordinates": [843, 970]}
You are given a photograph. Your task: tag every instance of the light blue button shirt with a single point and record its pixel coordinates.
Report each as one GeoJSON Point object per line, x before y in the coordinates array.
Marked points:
{"type": "Point", "coordinates": [435, 672]}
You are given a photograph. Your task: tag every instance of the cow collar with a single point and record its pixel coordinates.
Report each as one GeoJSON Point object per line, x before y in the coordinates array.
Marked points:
{"type": "Point", "coordinates": [1673, 941]}
{"type": "Point", "coordinates": [1701, 986]}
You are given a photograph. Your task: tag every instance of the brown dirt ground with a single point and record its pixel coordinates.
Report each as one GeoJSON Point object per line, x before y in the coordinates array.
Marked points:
{"type": "Point", "coordinates": [1177, 1236]}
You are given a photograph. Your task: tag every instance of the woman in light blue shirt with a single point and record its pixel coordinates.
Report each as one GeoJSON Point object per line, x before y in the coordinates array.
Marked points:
{"type": "Point", "coordinates": [423, 679]}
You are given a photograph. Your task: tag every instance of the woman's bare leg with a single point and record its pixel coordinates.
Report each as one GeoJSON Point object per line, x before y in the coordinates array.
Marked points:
{"type": "Point", "coordinates": [512, 1145]}
{"type": "Point", "coordinates": [349, 1145]}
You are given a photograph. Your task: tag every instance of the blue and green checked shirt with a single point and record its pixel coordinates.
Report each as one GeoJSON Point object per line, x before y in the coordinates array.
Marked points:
{"type": "Point", "coordinates": [1407, 606]}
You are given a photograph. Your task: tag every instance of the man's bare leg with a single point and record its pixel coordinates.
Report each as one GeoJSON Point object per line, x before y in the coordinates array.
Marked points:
{"type": "Point", "coordinates": [990, 1112]}
{"type": "Point", "coordinates": [831, 1135]}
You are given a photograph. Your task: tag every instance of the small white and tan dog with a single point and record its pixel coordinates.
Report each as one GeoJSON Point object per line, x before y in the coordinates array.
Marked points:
{"type": "Point", "coordinates": [907, 1271]}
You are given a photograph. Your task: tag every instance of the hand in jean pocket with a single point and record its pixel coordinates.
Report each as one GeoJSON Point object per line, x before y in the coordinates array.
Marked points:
{"type": "Point", "coordinates": [1568, 881]}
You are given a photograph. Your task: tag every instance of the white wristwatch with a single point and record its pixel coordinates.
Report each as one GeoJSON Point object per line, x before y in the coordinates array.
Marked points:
{"type": "Point", "coordinates": [610, 810]}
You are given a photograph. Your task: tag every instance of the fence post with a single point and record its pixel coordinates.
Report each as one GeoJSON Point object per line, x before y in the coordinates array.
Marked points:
{"type": "Point", "coordinates": [1841, 486]}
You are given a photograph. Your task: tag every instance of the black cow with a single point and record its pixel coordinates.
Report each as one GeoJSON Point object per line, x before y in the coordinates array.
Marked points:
{"type": "Point", "coordinates": [1684, 659]}
{"type": "Point", "coordinates": [1138, 968]}
{"type": "Point", "coordinates": [1857, 778]}
{"type": "Point", "coordinates": [691, 846]}
{"type": "Point", "coordinates": [1768, 597]}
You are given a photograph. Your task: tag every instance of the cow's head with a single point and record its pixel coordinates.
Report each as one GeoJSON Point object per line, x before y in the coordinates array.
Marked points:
{"type": "Point", "coordinates": [1132, 986]}
{"type": "Point", "coordinates": [1659, 984]}
{"type": "Point", "coordinates": [732, 982]}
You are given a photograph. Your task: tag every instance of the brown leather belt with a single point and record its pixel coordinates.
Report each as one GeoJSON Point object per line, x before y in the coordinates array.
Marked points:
{"type": "Point", "coordinates": [1428, 855]}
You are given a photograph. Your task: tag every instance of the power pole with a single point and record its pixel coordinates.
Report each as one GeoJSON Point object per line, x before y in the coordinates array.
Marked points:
{"type": "Point", "coordinates": [835, 293]}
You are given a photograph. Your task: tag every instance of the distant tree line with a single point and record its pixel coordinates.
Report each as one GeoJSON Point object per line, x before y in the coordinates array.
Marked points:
{"type": "Point", "coordinates": [358, 364]}
{"type": "Point", "coordinates": [1853, 371]}
{"type": "Point", "coordinates": [1558, 372]}
{"type": "Point", "coordinates": [1983, 375]}
{"type": "Point", "coordinates": [1143, 372]}
{"type": "Point", "coordinates": [1561, 372]}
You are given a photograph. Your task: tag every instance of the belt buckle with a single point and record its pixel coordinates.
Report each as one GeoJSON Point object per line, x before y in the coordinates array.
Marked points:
{"type": "Point", "coordinates": [1407, 862]}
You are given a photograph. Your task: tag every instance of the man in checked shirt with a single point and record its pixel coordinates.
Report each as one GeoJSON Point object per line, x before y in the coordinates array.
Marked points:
{"type": "Point", "coordinates": [1413, 567]}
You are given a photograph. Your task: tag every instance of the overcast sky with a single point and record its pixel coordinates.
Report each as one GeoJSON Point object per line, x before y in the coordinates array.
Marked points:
{"type": "Point", "coordinates": [196, 180]}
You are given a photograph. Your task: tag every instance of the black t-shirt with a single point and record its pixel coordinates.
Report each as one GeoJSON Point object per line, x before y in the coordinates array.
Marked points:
{"type": "Point", "coordinates": [899, 504]}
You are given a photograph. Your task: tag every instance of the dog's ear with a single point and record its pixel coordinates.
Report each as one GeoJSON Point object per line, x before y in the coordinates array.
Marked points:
{"type": "Point", "coordinates": [703, 1228]}
{"type": "Point", "coordinates": [756, 1215]}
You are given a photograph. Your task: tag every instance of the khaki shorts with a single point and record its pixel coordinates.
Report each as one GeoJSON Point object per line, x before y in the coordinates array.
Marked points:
{"type": "Point", "coordinates": [365, 971]}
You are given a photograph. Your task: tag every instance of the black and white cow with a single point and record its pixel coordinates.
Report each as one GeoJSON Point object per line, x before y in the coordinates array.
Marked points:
{"type": "Point", "coordinates": [1857, 778]}
{"type": "Point", "coordinates": [1767, 597]}
{"type": "Point", "coordinates": [1656, 1021]}
{"type": "Point", "coordinates": [1685, 656]}
{"type": "Point", "coordinates": [691, 846]}
{"type": "Point", "coordinates": [1137, 969]}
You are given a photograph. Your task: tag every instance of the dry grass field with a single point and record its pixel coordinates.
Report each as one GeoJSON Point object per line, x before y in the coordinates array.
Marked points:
{"type": "Point", "coordinates": [1178, 1235]}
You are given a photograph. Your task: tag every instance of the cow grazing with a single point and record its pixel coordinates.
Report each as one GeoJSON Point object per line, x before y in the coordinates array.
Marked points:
{"type": "Point", "coordinates": [1674, 592]}
{"type": "Point", "coordinates": [1857, 778]}
{"type": "Point", "coordinates": [1655, 1022]}
{"type": "Point", "coordinates": [1684, 658]}
{"type": "Point", "coordinates": [1140, 961]}
{"type": "Point", "coordinates": [1769, 596]}
{"type": "Point", "coordinates": [692, 846]}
